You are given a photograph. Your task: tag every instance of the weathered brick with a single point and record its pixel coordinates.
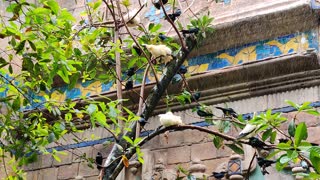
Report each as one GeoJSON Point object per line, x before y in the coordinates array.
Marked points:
{"type": "Point", "coordinates": [65, 159]}
{"type": "Point", "coordinates": [194, 136]}
{"type": "Point", "coordinates": [213, 164]}
{"type": "Point", "coordinates": [203, 151]}
{"type": "Point", "coordinates": [178, 155]}
{"type": "Point", "coordinates": [160, 154]}
{"type": "Point", "coordinates": [49, 173]}
{"type": "Point", "coordinates": [153, 143]}
{"type": "Point", "coordinates": [313, 135]}
{"type": "Point", "coordinates": [68, 171]}
{"type": "Point", "coordinates": [171, 139]}
{"type": "Point", "coordinates": [223, 152]}
{"type": "Point", "coordinates": [85, 170]}
{"type": "Point", "coordinates": [32, 175]}
{"type": "Point", "coordinates": [34, 165]}
{"type": "Point", "coordinates": [46, 160]}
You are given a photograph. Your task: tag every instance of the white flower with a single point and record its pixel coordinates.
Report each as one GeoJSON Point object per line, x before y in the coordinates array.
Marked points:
{"type": "Point", "coordinates": [168, 119]}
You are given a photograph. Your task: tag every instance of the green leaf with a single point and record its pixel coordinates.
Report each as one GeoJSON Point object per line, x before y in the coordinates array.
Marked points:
{"type": "Point", "coordinates": [266, 134]}
{"type": "Point", "coordinates": [33, 47]}
{"type": "Point", "coordinates": [273, 137]}
{"type": "Point", "coordinates": [63, 73]}
{"type": "Point", "coordinates": [292, 104]}
{"type": "Point", "coordinates": [217, 141]}
{"type": "Point", "coordinates": [292, 128]}
{"type": "Point", "coordinates": [155, 28]}
{"type": "Point", "coordinates": [284, 159]}
{"type": "Point", "coordinates": [235, 148]}
{"type": "Point", "coordinates": [20, 46]}
{"type": "Point", "coordinates": [101, 118]}
{"type": "Point", "coordinates": [312, 112]}
{"type": "Point", "coordinates": [315, 158]}
{"type": "Point", "coordinates": [300, 134]}
{"type": "Point", "coordinates": [16, 104]}
{"type": "Point", "coordinates": [129, 140]}
{"type": "Point", "coordinates": [305, 105]}
{"type": "Point", "coordinates": [3, 62]}
{"type": "Point", "coordinates": [91, 108]}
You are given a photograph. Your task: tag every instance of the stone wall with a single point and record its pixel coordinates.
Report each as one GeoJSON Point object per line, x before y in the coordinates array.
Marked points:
{"type": "Point", "coordinates": [234, 24]}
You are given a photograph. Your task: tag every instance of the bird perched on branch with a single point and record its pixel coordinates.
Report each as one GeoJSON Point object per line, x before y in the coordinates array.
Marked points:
{"type": "Point", "coordinates": [190, 31]}
{"type": "Point", "coordinates": [248, 131]}
{"type": "Point", "coordinates": [99, 160]}
{"type": "Point", "coordinates": [157, 3]}
{"type": "Point", "coordinates": [130, 72]}
{"type": "Point", "coordinates": [142, 121]}
{"type": "Point", "coordinates": [257, 143]}
{"type": "Point", "coordinates": [129, 85]}
{"type": "Point", "coordinates": [264, 163]}
{"type": "Point", "coordinates": [182, 69]}
{"type": "Point", "coordinates": [228, 111]}
{"type": "Point", "coordinates": [160, 51]}
{"type": "Point", "coordinates": [169, 119]}
{"type": "Point", "coordinates": [132, 19]}
{"type": "Point", "coordinates": [219, 175]}
{"type": "Point", "coordinates": [174, 15]}
{"type": "Point", "coordinates": [162, 37]}
{"type": "Point", "coordinates": [137, 49]}
{"type": "Point", "coordinates": [204, 111]}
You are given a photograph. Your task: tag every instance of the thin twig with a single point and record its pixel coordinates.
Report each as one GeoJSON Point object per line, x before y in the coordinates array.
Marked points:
{"type": "Point", "coordinates": [253, 157]}
{"type": "Point", "coordinates": [183, 46]}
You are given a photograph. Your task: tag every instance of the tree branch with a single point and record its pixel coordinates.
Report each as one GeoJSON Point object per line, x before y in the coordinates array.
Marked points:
{"type": "Point", "coordinates": [151, 102]}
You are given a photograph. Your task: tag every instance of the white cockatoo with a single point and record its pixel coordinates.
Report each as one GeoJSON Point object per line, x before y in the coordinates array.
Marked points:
{"type": "Point", "coordinates": [248, 131]}
{"type": "Point", "coordinates": [169, 119]}
{"type": "Point", "coordinates": [130, 21]}
{"type": "Point", "coordinates": [160, 50]}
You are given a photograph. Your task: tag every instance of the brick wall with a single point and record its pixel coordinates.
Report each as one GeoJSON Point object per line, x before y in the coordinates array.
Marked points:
{"type": "Point", "coordinates": [180, 148]}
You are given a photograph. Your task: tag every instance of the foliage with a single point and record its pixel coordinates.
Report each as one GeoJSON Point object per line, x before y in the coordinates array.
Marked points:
{"type": "Point", "coordinates": [48, 48]}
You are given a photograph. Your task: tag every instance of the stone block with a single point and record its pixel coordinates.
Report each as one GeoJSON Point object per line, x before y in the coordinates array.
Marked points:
{"type": "Point", "coordinates": [171, 139]}
{"type": "Point", "coordinates": [194, 136]}
{"type": "Point", "coordinates": [159, 154]}
{"type": "Point", "coordinates": [203, 151]}
{"type": "Point", "coordinates": [49, 173]}
{"type": "Point", "coordinates": [85, 170]}
{"type": "Point", "coordinates": [313, 135]}
{"type": "Point", "coordinates": [32, 175]}
{"type": "Point", "coordinates": [178, 155]}
{"type": "Point", "coordinates": [153, 143]}
{"type": "Point", "coordinates": [224, 151]}
{"type": "Point", "coordinates": [213, 164]}
{"type": "Point", "coordinates": [68, 171]}
{"type": "Point", "coordinates": [46, 160]}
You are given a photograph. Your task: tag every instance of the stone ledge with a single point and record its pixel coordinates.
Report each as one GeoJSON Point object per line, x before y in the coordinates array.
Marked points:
{"type": "Point", "coordinates": [290, 17]}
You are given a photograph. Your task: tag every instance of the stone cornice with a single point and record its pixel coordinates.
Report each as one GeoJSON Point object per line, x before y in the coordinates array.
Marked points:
{"type": "Point", "coordinates": [269, 21]}
{"type": "Point", "coordinates": [243, 81]}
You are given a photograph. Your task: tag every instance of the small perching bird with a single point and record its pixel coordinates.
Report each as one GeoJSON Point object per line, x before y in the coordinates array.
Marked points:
{"type": "Point", "coordinates": [99, 160]}
{"type": "Point", "coordinates": [132, 18]}
{"type": "Point", "coordinates": [169, 119]}
{"type": "Point", "coordinates": [162, 51]}
{"type": "Point", "coordinates": [248, 131]}
{"type": "Point", "coordinates": [228, 111]}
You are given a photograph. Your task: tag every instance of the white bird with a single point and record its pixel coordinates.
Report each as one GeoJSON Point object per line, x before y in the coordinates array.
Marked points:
{"type": "Point", "coordinates": [130, 21]}
{"type": "Point", "coordinates": [248, 131]}
{"type": "Point", "coordinates": [169, 119]}
{"type": "Point", "coordinates": [160, 50]}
